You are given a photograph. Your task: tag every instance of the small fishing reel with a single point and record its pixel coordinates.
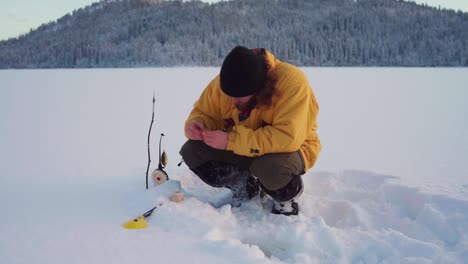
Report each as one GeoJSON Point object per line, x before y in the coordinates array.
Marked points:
{"type": "Point", "coordinates": [159, 175]}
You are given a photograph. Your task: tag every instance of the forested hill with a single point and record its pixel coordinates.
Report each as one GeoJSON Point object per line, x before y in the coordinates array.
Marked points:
{"type": "Point", "coordinates": [140, 33]}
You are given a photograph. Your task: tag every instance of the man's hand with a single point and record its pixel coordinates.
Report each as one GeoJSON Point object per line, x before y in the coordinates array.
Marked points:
{"type": "Point", "coordinates": [194, 130]}
{"type": "Point", "coordinates": [216, 139]}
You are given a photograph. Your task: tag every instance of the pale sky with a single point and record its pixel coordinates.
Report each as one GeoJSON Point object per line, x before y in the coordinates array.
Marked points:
{"type": "Point", "coordinates": [19, 16]}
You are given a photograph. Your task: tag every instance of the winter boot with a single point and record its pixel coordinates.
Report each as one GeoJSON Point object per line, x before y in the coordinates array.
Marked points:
{"type": "Point", "coordinates": [220, 174]}
{"type": "Point", "coordinates": [285, 208]}
{"type": "Point", "coordinates": [252, 187]}
{"type": "Point", "coordinates": [242, 193]}
{"type": "Point", "coordinates": [284, 198]}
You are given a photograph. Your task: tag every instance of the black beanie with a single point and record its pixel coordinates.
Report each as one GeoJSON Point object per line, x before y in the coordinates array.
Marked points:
{"type": "Point", "coordinates": [243, 72]}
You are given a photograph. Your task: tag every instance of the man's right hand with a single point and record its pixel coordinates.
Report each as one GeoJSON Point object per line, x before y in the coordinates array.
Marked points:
{"type": "Point", "coordinates": [194, 130]}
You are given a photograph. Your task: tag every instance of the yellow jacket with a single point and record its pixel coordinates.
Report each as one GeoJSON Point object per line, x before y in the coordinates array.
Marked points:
{"type": "Point", "coordinates": [289, 124]}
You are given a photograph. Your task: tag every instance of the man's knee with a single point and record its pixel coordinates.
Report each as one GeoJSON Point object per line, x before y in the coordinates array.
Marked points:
{"type": "Point", "coordinates": [275, 171]}
{"type": "Point", "coordinates": [287, 193]}
{"type": "Point", "coordinates": [194, 153]}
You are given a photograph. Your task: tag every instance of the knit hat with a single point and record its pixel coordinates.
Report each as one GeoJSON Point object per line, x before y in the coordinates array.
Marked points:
{"type": "Point", "coordinates": [243, 72]}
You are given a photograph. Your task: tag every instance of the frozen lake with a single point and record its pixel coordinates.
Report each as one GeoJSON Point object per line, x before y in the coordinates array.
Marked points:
{"type": "Point", "coordinates": [73, 160]}
{"type": "Point", "coordinates": [405, 122]}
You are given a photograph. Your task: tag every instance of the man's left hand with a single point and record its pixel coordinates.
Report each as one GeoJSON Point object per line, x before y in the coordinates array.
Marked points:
{"type": "Point", "coordinates": [216, 139]}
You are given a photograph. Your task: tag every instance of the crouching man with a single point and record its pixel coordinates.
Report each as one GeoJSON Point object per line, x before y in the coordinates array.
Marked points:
{"type": "Point", "coordinates": [253, 129]}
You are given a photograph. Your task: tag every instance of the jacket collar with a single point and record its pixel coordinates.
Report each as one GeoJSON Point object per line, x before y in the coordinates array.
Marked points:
{"type": "Point", "coordinates": [271, 60]}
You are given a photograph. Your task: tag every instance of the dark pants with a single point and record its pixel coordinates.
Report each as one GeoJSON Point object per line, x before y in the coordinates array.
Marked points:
{"type": "Point", "coordinates": [278, 173]}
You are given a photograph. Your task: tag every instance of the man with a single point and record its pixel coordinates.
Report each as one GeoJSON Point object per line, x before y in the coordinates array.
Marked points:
{"type": "Point", "coordinates": [253, 129]}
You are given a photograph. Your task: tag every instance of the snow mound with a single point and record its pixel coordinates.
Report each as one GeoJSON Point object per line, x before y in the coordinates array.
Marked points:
{"type": "Point", "coordinates": [353, 216]}
{"type": "Point", "coordinates": [73, 153]}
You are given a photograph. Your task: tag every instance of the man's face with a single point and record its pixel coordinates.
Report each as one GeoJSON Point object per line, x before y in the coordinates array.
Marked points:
{"type": "Point", "coordinates": [242, 103]}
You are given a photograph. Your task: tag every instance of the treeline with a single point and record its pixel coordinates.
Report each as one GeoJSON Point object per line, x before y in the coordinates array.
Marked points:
{"type": "Point", "coordinates": [141, 33]}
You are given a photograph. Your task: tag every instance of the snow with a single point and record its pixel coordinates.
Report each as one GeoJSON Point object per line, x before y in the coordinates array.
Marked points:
{"type": "Point", "coordinates": [390, 186]}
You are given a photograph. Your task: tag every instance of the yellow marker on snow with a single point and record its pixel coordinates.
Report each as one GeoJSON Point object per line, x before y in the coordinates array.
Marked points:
{"type": "Point", "coordinates": [139, 222]}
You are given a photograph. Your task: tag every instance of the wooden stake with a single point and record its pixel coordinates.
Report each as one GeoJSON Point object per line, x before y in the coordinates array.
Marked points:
{"type": "Point", "coordinates": [149, 134]}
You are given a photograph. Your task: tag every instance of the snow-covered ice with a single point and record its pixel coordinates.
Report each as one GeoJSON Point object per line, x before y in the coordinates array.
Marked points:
{"type": "Point", "coordinates": [390, 186]}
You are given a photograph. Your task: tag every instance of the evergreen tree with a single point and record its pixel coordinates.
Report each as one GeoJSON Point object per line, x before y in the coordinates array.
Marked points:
{"type": "Point", "coordinates": [136, 33]}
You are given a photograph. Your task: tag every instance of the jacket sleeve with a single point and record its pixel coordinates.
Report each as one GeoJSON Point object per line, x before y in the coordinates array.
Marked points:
{"type": "Point", "coordinates": [291, 121]}
{"type": "Point", "coordinates": [207, 108]}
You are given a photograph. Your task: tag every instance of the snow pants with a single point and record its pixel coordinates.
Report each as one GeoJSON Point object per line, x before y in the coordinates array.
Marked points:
{"type": "Point", "coordinates": [278, 174]}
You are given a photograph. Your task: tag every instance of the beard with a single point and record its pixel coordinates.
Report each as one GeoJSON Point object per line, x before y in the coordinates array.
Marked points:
{"type": "Point", "coordinates": [242, 106]}
{"type": "Point", "coordinates": [245, 106]}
